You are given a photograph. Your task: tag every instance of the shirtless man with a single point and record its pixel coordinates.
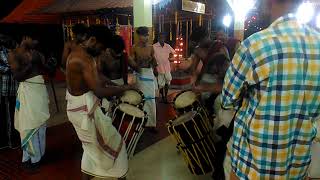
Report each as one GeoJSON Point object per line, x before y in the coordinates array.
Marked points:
{"type": "Point", "coordinates": [32, 103]}
{"type": "Point", "coordinates": [113, 63]}
{"type": "Point", "coordinates": [104, 150]}
{"type": "Point", "coordinates": [142, 60]}
{"type": "Point", "coordinates": [80, 31]}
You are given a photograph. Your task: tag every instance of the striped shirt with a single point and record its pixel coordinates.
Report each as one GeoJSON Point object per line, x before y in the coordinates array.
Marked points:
{"type": "Point", "coordinates": [275, 123]}
{"type": "Point", "coordinates": [8, 86]}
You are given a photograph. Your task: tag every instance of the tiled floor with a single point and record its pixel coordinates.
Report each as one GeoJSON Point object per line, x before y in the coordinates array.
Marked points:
{"type": "Point", "coordinates": [161, 161]}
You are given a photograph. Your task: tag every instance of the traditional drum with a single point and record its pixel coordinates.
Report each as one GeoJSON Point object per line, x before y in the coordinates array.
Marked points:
{"type": "Point", "coordinates": [187, 101]}
{"type": "Point", "coordinates": [133, 97]}
{"type": "Point", "coordinates": [194, 141]}
{"type": "Point", "coordinates": [129, 121]}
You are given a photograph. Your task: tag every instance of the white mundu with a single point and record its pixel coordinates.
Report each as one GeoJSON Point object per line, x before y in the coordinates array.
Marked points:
{"type": "Point", "coordinates": [104, 152]}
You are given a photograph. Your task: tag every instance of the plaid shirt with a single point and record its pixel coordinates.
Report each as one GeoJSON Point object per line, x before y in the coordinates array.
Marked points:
{"type": "Point", "coordinates": [8, 86]}
{"type": "Point", "coordinates": [276, 121]}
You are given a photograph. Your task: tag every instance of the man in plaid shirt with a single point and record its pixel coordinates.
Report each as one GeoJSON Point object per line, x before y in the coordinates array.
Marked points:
{"type": "Point", "coordinates": [278, 71]}
{"type": "Point", "coordinates": [9, 137]}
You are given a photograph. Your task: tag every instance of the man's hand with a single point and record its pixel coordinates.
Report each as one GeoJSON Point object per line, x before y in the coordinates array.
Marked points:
{"type": "Point", "coordinates": [196, 89]}
{"type": "Point", "coordinates": [130, 87]}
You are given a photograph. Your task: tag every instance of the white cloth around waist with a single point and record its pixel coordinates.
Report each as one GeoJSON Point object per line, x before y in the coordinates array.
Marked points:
{"type": "Point", "coordinates": [32, 104]}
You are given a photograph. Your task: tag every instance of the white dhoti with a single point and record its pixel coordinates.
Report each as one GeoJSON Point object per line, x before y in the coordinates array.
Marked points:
{"type": "Point", "coordinates": [146, 84]}
{"type": "Point", "coordinates": [31, 114]}
{"type": "Point", "coordinates": [207, 79]}
{"type": "Point", "coordinates": [164, 79]}
{"type": "Point", "coordinates": [104, 152]}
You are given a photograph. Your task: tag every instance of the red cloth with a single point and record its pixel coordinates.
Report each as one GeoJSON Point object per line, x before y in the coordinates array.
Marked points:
{"type": "Point", "coordinates": [216, 46]}
{"type": "Point", "coordinates": [23, 13]}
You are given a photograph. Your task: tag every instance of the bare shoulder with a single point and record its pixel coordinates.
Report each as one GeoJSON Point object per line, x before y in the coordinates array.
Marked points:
{"type": "Point", "coordinates": [78, 59]}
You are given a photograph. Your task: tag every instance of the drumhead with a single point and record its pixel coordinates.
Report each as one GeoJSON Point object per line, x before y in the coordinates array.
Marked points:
{"type": "Point", "coordinates": [185, 99]}
{"type": "Point", "coordinates": [184, 118]}
{"type": "Point", "coordinates": [132, 97]}
{"type": "Point", "coordinates": [131, 110]}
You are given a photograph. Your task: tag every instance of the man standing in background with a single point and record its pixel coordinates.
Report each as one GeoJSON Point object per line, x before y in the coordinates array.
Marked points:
{"type": "Point", "coordinates": [273, 82]}
{"type": "Point", "coordinates": [9, 137]}
{"type": "Point", "coordinates": [231, 44]}
{"type": "Point", "coordinates": [162, 53]}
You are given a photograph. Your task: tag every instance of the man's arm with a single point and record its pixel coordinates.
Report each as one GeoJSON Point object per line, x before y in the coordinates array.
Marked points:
{"type": "Point", "coordinates": [154, 61]}
{"type": "Point", "coordinates": [239, 75]}
{"type": "Point", "coordinates": [172, 52]}
{"type": "Point", "coordinates": [93, 82]}
{"type": "Point", "coordinates": [132, 60]}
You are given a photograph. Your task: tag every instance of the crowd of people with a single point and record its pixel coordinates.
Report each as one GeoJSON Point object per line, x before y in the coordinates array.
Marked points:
{"type": "Point", "coordinates": [269, 82]}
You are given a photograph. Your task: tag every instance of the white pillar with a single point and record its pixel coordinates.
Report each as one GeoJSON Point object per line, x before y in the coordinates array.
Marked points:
{"type": "Point", "coordinates": [142, 15]}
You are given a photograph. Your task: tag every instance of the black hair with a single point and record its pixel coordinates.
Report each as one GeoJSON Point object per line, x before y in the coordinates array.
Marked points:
{"type": "Point", "coordinates": [101, 33]}
{"type": "Point", "coordinates": [117, 44]}
{"type": "Point", "coordinates": [142, 31]}
{"type": "Point", "coordinates": [199, 34]}
{"type": "Point", "coordinates": [79, 29]}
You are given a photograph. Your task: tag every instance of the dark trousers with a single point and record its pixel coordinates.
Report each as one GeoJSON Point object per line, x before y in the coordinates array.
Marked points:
{"type": "Point", "coordinates": [9, 136]}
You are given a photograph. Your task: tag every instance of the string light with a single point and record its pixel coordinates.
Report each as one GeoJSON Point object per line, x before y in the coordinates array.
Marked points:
{"type": "Point", "coordinates": [179, 50]}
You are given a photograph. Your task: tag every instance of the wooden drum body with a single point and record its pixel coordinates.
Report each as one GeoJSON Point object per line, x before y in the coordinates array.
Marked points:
{"type": "Point", "coordinates": [195, 141]}
{"type": "Point", "coordinates": [187, 101]}
{"type": "Point", "coordinates": [129, 121]}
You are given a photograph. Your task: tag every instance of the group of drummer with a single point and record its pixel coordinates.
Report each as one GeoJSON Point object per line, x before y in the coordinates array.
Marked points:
{"type": "Point", "coordinates": [97, 67]}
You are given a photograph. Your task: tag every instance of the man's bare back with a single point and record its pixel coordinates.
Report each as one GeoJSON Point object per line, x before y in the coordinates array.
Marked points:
{"type": "Point", "coordinates": [82, 76]}
{"type": "Point", "coordinates": [79, 63]}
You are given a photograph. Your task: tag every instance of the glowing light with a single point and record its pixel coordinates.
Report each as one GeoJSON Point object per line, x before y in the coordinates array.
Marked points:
{"type": "Point", "coordinates": [305, 12]}
{"type": "Point", "coordinates": [227, 20]}
{"type": "Point", "coordinates": [181, 44]}
{"type": "Point", "coordinates": [318, 21]}
{"type": "Point", "coordinates": [241, 7]}
{"type": "Point", "coordinates": [175, 55]}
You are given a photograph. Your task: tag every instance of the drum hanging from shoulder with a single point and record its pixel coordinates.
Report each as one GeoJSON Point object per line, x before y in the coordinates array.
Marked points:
{"type": "Point", "coordinates": [187, 101]}
{"type": "Point", "coordinates": [195, 141]}
{"type": "Point", "coordinates": [133, 97]}
{"type": "Point", "coordinates": [129, 121]}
